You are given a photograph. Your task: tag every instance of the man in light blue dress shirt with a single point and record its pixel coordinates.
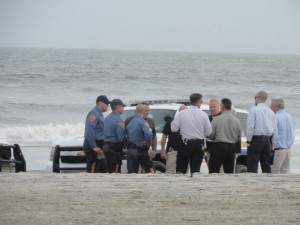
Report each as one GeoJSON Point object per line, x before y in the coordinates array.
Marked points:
{"type": "Point", "coordinates": [261, 134]}
{"type": "Point", "coordinates": [286, 137]}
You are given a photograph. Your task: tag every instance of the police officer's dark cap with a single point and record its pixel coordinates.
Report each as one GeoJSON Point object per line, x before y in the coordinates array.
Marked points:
{"type": "Point", "coordinates": [116, 102]}
{"type": "Point", "coordinates": [103, 98]}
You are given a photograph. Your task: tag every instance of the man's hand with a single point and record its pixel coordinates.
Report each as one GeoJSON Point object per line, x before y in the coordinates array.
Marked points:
{"type": "Point", "coordinates": [163, 154]}
{"type": "Point", "coordinates": [152, 154]}
{"type": "Point", "coordinates": [248, 144]}
{"type": "Point", "coordinates": [98, 150]}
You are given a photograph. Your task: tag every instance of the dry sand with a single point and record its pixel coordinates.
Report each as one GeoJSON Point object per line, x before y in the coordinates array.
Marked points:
{"type": "Point", "coordinates": [41, 198]}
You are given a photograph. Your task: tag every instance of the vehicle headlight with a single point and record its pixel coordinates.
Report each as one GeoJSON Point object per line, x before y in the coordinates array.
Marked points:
{"type": "Point", "coordinates": [52, 153]}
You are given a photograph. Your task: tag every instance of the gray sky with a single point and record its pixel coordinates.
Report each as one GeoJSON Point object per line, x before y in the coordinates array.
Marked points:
{"type": "Point", "coordinates": [250, 26]}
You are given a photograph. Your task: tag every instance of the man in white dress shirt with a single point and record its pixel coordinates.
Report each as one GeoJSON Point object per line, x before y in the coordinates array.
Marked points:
{"type": "Point", "coordinates": [194, 127]}
{"type": "Point", "coordinates": [261, 134]}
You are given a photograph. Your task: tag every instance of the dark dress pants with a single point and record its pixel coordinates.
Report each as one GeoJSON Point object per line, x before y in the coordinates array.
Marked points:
{"type": "Point", "coordinates": [259, 151]}
{"type": "Point", "coordinates": [222, 153]}
{"type": "Point", "coordinates": [190, 153]}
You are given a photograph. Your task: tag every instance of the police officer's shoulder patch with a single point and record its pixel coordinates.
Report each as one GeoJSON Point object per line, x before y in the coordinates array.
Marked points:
{"type": "Point", "coordinates": [146, 124]}
{"type": "Point", "coordinates": [93, 118]}
{"type": "Point", "coordinates": [122, 124]}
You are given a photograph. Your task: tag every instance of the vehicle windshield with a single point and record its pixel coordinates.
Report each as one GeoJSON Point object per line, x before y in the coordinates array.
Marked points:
{"type": "Point", "coordinates": [157, 115]}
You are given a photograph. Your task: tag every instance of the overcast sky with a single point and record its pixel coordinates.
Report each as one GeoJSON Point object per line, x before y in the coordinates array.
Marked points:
{"type": "Point", "coordinates": [249, 26]}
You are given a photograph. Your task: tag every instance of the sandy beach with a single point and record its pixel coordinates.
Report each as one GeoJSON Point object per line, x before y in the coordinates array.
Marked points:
{"type": "Point", "coordinates": [42, 198]}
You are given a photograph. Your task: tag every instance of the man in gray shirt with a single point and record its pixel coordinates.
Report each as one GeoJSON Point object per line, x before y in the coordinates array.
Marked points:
{"type": "Point", "coordinates": [226, 132]}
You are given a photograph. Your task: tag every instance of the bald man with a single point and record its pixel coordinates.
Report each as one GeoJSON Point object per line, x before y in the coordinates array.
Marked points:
{"type": "Point", "coordinates": [261, 134]}
{"type": "Point", "coordinates": [174, 139]}
{"type": "Point", "coordinates": [139, 136]}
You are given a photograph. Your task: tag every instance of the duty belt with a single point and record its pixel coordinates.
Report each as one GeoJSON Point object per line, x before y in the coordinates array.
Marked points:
{"type": "Point", "coordinates": [141, 148]}
{"type": "Point", "coordinates": [186, 141]}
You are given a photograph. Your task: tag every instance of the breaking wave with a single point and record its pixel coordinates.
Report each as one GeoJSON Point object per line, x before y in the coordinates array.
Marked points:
{"type": "Point", "coordinates": [52, 132]}
{"type": "Point", "coordinates": [40, 133]}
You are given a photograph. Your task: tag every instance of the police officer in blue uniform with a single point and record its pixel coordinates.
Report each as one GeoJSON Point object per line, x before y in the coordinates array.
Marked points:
{"type": "Point", "coordinates": [114, 137]}
{"type": "Point", "coordinates": [94, 136]}
{"type": "Point", "coordinates": [139, 137]}
{"type": "Point", "coordinates": [152, 126]}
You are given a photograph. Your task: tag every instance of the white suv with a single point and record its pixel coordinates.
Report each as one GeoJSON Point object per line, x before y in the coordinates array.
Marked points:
{"type": "Point", "coordinates": [67, 155]}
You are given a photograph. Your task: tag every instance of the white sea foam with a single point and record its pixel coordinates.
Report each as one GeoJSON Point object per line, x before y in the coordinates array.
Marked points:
{"type": "Point", "coordinates": [40, 133]}
{"type": "Point", "coordinates": [52, 132]}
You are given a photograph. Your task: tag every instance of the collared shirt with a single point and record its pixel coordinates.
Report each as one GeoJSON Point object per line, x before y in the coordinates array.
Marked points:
{"type": "Point", "coordinates": [94, 127]}
{"type": "Point", "coordinates": [211, 117]}
{"type": "Point", "coordinates": [114, 128]}
{"type": "Point", "coordinates": [261, 121]}
{"type": "Point", "coordinates": [138, 131]}
{"type": "Point", "coordinates": [286, 130]}
{"type": "Point", "coordinates": [193, 123]}
{"type": "Point", "coordinates": [226, 128]}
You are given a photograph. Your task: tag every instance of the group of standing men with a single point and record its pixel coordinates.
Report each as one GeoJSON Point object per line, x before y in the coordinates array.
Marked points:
{"type": "Point", "coordinates": [270, 132]}
{"type": "Point", "coordinates": [188, 135]}
{"type": "Point", "coordinates": [105, 139]}
{"type": "Point", "coordinates": [270, 135]}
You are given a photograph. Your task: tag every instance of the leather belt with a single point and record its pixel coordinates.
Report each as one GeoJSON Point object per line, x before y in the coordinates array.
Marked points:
{"type": "Point", "coordinates": [279, 149]}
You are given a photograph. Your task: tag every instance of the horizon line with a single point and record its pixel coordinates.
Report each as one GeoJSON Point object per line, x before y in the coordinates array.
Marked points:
{"type": "Point", "coordinates": [148, 50]}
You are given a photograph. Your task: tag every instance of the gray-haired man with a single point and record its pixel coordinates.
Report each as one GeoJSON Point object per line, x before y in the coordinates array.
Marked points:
{"type": "Point", "coordinates": [286, 137]}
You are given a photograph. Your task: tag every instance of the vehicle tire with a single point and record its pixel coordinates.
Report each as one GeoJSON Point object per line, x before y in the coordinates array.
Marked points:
{"type": "Point", "coordinates": [240, 169]}
{"type": "Point", "coordinates": [56, 156]}
{"type": "Point", "coordinates": [159, 166]}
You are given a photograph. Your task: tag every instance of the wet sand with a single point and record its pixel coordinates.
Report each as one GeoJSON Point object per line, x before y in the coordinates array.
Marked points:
{"type": "Point", "coordinates": [42, 198]}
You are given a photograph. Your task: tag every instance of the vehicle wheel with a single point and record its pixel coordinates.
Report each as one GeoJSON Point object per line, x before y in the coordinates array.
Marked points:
{"type": "Point", "coordinates": [159, 166]}
{"type": "Point", "coordinates": [240, 169]}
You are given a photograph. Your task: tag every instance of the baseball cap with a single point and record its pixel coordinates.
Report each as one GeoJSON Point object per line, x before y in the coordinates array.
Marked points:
{"type": "Point", "coordinates": [103, 98]}
{"type": "Point", "coordinates": [117, 102]}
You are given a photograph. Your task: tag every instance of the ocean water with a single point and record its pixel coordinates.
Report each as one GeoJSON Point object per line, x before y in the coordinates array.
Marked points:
{"type": "Point", "coordinates": [46, 93]}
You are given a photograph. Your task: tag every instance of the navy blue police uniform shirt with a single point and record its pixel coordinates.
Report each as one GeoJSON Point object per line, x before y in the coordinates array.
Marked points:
{"type": "Point", "coordinates": [94, 127]}
{"type": "Point", "coordinates": [114, 128]}
{"type": "Point", "coordinates": [138, 131]}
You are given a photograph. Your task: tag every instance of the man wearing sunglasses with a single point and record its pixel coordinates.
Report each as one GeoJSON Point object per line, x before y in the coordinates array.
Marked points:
{"type": "Point", "coordinates": [261, 134]}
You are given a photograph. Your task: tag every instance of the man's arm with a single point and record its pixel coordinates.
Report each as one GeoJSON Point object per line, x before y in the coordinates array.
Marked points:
{"type": "Point", "coordinates": [163, 141]}
{"type": "Point", "coordinates": [121, 131]}
{"type": "Point", "coordinates": [275, 134]}
{"type": "Point", "coordinates": [250, 125]}
{"type": "Point", "coordinates": [213, 130]}
{"type": "Point", "coordinates": [175, 125]}
{"type": "Point", "coordinates": [154, 137]}
{"type": "Point", "coordinates": [207, 126]}
{"type": "Point", "coordinates": [293, 131]}
{"type": "Point", "coordinates": [91, 123]}
{"type": "Point", "coordinates": [147, 132]}
{"type": "Point", "coordinates": [154, 143]}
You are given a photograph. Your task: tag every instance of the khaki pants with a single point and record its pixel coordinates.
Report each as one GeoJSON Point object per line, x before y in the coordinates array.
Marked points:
{"type": "Point", "coordinates": [281, 163]}
{"type": "Point", "coordinates": [171, 162]}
